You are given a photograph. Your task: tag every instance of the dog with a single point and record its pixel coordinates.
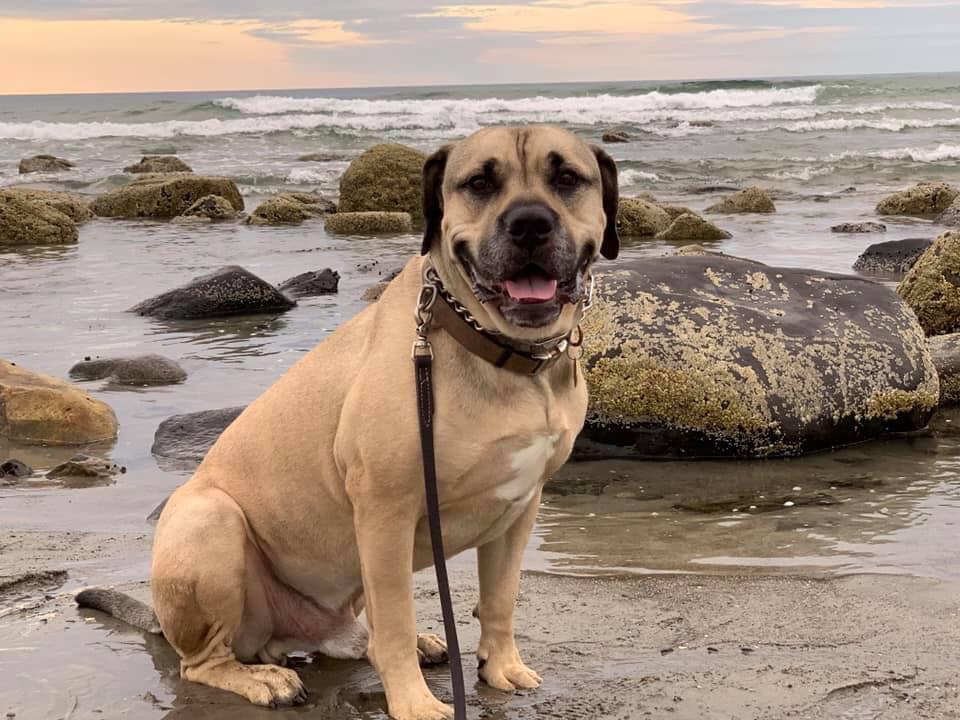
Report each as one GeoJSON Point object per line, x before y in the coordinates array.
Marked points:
{"type": "Point", "coordinates": [310, 509]}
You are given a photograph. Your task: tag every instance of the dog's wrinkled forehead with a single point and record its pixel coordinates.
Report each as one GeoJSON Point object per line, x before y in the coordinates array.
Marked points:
{"type": "Point", "coordinates": [524, 156]}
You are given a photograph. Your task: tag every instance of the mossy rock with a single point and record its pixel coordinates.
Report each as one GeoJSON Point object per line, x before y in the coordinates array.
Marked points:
{"type": "Point", "coordinates": [641, 218]}
{"type": "Point", "coordinates": [922, 200]}
{"type": "Point", "coordinates": [164, 196]}
{"type": "Point", "coordinates": [40, 409]}
{"type": "Point", "coordinates": [387, 178]}
{"type": "Point", "coordinates": [748, 200]}
{"type": "Point", "coordinates": [159, 164]}
{"type": "Point", "coordinates": [75, 207]}
{"type": "Point", "coordinates": [932, 287]}
{"type": "Point", "coordinates": [44, 163]}
{"type": "Point", "coordinates": [26, 220]}
{"type": "Point", "coordinates": [689, 227]}
{"type": "Point", "coordinates": [369, 223]}
{"type": "Point", "coordinates": [290, 209]}
{"type": "Point", "coordinates": [715, 356]}
{"type": "Point", "coordinates": [675, 211]}
{"type": "Point", "coordinates": [210, 207]}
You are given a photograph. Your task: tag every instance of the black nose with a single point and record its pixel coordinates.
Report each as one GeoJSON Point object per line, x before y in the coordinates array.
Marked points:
{"type": "Point", "coordinates": [529, 225]}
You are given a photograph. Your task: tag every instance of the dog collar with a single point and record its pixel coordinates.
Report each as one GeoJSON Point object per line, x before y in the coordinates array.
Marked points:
{"type": "Point", "coordinates": [436, 307]}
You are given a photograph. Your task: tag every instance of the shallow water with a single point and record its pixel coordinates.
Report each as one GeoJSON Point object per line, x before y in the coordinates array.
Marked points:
{"type": "Point", "coordinates": [892, 509]}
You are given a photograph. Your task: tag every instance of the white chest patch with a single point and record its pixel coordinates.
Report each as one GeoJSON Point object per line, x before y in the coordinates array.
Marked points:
{"type": "Point", "coordinates": [527, 467]}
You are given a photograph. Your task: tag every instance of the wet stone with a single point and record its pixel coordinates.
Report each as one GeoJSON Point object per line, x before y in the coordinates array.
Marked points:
{"type": "Point", "coordinates": [187, 438]}
{"type": "Point", "coordinates": [893, 256]}
{"type": "Point", "coordinates": [316, 282]}
{"type": "Point", "coordinates": [141, 370]}
{"type": "Point", "coordinates": [84, 466]}
{"type": "Point", "coordinates": [861, 227]}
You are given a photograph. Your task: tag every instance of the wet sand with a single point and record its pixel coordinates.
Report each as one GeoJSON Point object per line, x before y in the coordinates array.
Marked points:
{"type": "Point", "coordinates": [865, 647]}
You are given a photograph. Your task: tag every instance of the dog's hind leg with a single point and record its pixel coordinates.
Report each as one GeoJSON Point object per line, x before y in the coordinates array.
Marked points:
{"type": "Point", "coordinates": [207, 603]}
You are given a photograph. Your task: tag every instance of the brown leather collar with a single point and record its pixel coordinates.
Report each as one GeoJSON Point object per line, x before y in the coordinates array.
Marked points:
{"type": "Point", "coordinates": [528, 359]}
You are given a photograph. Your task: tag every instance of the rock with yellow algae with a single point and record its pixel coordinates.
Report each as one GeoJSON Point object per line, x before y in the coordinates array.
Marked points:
{"type": "Point", "coordinates": [932, 287]}
{"type": "Point", "coordinates": [388, 178]}
{"type": "Point", "coordinates": [715, 356]}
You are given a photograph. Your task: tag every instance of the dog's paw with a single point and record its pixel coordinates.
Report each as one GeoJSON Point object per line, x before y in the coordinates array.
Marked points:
{"type": "Point", "coordinates": [425, 707]}
{"type": "Point", "coordinates": [431, 650]}
{"type": "Point", "coordinates": [508, 674]}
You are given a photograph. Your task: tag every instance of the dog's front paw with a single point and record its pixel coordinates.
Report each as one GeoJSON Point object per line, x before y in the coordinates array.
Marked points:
{"type": "Point", "coordinates": [422, 707]}
{"type": "Point", "coordinates": [431, 650]}
{"type": "Point", "coordinates": [508, 674]}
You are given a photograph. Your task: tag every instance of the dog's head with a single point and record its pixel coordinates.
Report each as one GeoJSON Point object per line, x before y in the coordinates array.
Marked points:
{"type": "Point", "coordinates": [515, 217]}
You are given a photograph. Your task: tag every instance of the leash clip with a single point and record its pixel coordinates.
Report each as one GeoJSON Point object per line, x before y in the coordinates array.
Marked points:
{"type": "Point", "coordinates": [423, 313]}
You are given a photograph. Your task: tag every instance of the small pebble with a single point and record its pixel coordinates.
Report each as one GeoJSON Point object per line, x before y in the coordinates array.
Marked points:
{"type": "Point", "coordinates": [788, 503]}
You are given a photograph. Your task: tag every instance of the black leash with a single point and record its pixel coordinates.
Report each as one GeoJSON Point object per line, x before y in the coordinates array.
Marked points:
{"type": "Point", "coordinates": [423, 368]}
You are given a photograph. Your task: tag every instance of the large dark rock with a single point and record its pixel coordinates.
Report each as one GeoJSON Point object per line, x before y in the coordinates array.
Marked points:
{"type": "Point", "coordinates": [319, 282]}
{"type": "Point", "coordinates": [140, 370]}
{"type": "Point", "coordinates": [228, 291]}
{"type": "Point", "coordinates": [13, 470]}
{"type": "Point", "coordinates": [893, 256]}
{"type": "Point", "coordinates": [709, 356]}
{"type": "Point", "coordinates": [187, 438]}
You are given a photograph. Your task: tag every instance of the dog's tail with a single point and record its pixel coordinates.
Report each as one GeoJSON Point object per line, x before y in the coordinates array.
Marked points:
{"type": "Point", "coordinates": [122, 607]}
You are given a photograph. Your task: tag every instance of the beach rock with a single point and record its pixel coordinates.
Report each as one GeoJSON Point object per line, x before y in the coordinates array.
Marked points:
{"type": "Point", "coordinates": [674, 211]}
{"type": "Point", "coordinates": [231, 290]}
{"type": "Point", "coordinates": [693, 227]}
{"type": "Point", "coordinates": [187, 438]}
{"type": "Point", "coordinates": [749, 200]}
{"type": "Point", "coordinates": [28, 221]}
{"type": "Point", "coordinates": [893, 256]}
{"type": "Point", "coordinates": [84, 466]}
{"type": "Point", "coordinates": [951, 216]}
{"type": "Point", "coordinates": [945, 351]}
{"type": "Point", "coordinates": [44, 163]}
{"type": "Point", "coordinates": [368, 223]}
{"type": "Point", "coordinates": [212, 208]}
{"type": "Point", "coordinates": [860, 227]}
{"type": "Point", "coordinates": [14, 469]}
{"type": "Point", "coordinates": [75, 207]}
{"type": "Point", "coordinates": [164, 196]}
{"type": "Point", "coordinates": [922, 200]}
{"type": "Point", "coordinates": [385, 178]}
{"type": "Point", "coordinates": [696, 249]}
{"type": "Point", "coordinates": [322, 282]}
{"type": "Point", "coordinates": [320, 157]}
{"type": "Point", "coordinates": [615, 136]}
{"type": "Point", "coordinates": [290, 209]}
{"type": "Point", "coordinates": [932, 287]}
{"type": "Point", "coordinates": [39, 409]}
{"type": "Point", "coordinates": [141, 370]}
{"type": "Point", "coordinates": [159, 164]}
{"type": "Point", "coordinates": [711, 356]}
{"type": "Point", "coordinates": [641, 218]}
{"type": "Point", "coordinates": [373, 293]}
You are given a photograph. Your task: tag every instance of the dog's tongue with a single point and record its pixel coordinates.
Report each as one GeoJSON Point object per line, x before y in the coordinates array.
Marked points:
{"type": "Point", "coordinates": [531, 288]}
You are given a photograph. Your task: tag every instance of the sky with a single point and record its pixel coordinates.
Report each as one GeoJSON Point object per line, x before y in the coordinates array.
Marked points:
{"type": "Point", "coordinates": [143, 45]}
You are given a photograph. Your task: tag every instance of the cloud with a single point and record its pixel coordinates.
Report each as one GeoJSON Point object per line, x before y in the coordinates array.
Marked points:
{"type": "Point", "coordinates": [852, 4]}
{"type": "Point", "coordinates": [574, 17]}
{"type": "Point", "coordinates": [322, 33]}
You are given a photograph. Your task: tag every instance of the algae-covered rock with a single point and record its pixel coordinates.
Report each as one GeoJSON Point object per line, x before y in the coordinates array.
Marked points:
{"type": "Point", "coordinates": [675, 211]}
{"type": "Point", "coordinates": [641, 218]}
{"type": "Point", "coordinates": [951, 216]}
{"type": "Point", "coordinates": [749, 200]}
{"type": "Point", "coordinates": [945, 351]}
{"type": "Point", "coordinates": [693, 228]}
{"type": "Point", "coordinates": [159, 164]}
{"type": "Point", "coordinates": [75, 207]}
{"type": "Point", "coordinates": [386, 178]}
{"type": "Point", "coordinates": [231, 290]}
{"type": "Point", "coordinates": [44, 163]}
{"type": "Point", "coordinates": [40, 409]}
{"type": "Point", "coordinates": [859, 227]}
{"type": "Point", "coordinates": [932, 287]}
{"type": "Point", "coordinates": [368, 223]}
{"type": "Point", "coordinates": [164, 196]}
{"type": "Point", "coordinates": [210, 208]}
{"type": "Point", "coordinates": [893, 256]}
{"type": "Point", "coordinates": [696, 356]}
{"type": "Point", "coordinates": [26, 220]}
{"type": "Point", "coordinates": [922, 200]}
{"type": "Point", "coordinates": [290, 209]}
{"type": "Point", "coordinates": [140, 370]}
{"type": "Point", "coordinates": [615, 136]}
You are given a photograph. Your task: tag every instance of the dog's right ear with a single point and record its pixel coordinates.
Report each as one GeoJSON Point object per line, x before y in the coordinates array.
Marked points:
{"type": "Point", "coordinates": [433, 171]}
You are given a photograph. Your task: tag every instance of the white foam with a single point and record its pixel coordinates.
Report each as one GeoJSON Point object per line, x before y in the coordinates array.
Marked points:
{"type": "Point", "coordinates": [632, 177]}
{"type": "Point", "coordinates": [925, 155]}
{"type": "Point", "coordinates": [889, 124]}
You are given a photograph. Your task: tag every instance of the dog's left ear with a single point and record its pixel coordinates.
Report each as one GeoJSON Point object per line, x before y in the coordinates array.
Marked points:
{"type": "Point", "coordinates": [610, 247]}
{"type": "Point", "coordinates": [433, 171]}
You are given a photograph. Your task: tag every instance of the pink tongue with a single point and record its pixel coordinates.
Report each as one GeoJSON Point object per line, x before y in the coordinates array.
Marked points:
{"type": "Point", "coordinates": [532, 288]}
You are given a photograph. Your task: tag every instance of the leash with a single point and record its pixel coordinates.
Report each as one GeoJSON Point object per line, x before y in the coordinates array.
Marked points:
{"type": "Point", "coordinates": [423, 366]}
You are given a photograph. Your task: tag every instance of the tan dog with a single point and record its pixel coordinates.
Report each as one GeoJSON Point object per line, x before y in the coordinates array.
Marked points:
{"type": "Point", "coordinates": [310, 506]}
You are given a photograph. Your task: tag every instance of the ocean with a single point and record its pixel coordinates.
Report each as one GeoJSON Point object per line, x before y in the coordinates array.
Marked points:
{"type": "Point", "coordinates": [797, 135]}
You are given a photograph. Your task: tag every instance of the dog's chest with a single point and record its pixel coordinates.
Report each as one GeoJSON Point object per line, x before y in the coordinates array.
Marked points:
{"type": "Point", "coordinates": [525, 467]}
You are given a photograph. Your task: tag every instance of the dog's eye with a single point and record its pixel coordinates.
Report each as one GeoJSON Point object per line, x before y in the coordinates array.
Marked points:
{"type": "Point", "coordinates": [480, 184]}
{"type": "Point", "coordinates": [568, 180]}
